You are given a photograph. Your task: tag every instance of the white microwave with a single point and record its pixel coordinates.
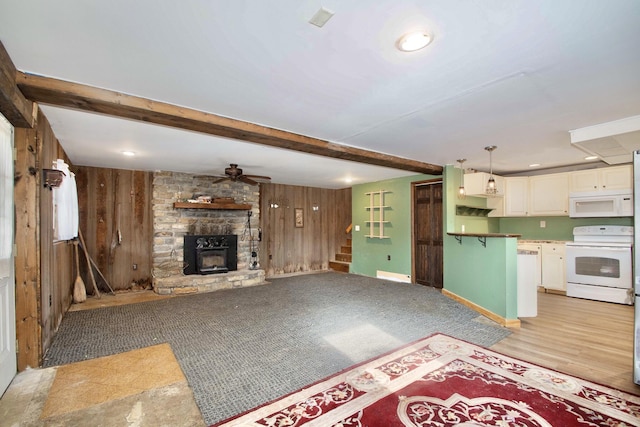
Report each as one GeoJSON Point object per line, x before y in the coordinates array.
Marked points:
{"type": "Point", "coordinates": [601, 204]}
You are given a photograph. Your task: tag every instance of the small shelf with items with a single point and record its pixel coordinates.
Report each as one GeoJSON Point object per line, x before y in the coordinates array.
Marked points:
{"type": "Point", "coordinates": [376, 214]}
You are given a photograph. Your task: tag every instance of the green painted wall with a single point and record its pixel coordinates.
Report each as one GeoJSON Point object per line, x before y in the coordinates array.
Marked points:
{"type": "Point", "coordinates": [557, 228]}
{"type": "Point", "coordinates": [486, 276]}
{"type": "Point", "coordinates": [489, 276]}
{"type": "Point", "coordinates": [370, 254]}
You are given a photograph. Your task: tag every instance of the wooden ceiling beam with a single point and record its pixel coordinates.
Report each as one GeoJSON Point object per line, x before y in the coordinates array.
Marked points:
{"type": "Point", "coordinates": [13, 105]}
{"type": "Point", "coordinates": [61, 93]}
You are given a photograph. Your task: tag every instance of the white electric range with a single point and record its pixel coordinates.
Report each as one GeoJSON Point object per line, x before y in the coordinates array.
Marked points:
{"type": "Point", "coordinates": [599, 263]}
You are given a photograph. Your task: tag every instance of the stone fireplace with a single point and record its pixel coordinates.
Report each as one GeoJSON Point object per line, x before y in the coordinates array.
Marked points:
{"type": "Point", "coordinates": [173, 227]}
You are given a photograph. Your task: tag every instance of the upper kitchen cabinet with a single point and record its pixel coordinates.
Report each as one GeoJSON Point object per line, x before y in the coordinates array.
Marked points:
{"type": "Point", "coordinates": [516, 199]}
{"type": "Point", "coordinates": [549, 195]}
{"type": "Point", "coordinates": [611, 178]}
{"type": "Point", "coordinates": [475, 184]}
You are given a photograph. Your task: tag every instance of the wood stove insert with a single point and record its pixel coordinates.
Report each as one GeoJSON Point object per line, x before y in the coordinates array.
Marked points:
{"type": "Point", "coordinates": [210, 254]}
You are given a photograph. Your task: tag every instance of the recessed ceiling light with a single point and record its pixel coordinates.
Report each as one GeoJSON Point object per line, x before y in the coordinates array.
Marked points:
{"type": "Point", "coordinates": [534, 165]}
{"type": "Point", "coordinates": [348, 180]}
{"type": "Point", "coordinates": [413, 41]}
{"type": "Point", "coordinates": [591, 158]}
{"type": "Point", "coordinates": [128, 153]}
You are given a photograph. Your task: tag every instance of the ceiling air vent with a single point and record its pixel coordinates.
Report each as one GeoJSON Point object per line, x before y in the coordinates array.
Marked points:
{"type": "Point", "coordinates": [614, 142]}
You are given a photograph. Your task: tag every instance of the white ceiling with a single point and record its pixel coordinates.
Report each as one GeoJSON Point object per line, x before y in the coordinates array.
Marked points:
{"type": "Point", "coordinates": [516, 74]}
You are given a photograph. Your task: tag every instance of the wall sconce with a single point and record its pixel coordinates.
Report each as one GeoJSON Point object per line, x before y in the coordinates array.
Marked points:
{"type": "Point", "coordinates": [491, 184]}
{"type": "Point", "coordinates": [52, 178]}
{"type": "Point", "coordinates": [279, 203]}
{"type": "Point", "coordinates": [315, 207]}
{"type": "Point", "coordinates": [461, 191]}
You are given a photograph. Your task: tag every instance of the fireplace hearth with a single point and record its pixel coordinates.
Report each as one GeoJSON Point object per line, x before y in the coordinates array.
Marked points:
{"type": "Point", "coordinates": [210, 254]}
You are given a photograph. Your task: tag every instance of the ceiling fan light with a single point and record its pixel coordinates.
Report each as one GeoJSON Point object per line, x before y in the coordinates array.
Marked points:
{"type": "Point", "coordinates": [413, 41]}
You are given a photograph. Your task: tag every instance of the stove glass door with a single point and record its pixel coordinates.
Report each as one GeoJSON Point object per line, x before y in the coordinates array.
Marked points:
{"type": "Point", "coordinates": [600, 266]}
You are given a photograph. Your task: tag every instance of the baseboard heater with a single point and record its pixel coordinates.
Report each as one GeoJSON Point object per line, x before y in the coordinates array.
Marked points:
{"type": "Point", "coordinates": [396, 277]}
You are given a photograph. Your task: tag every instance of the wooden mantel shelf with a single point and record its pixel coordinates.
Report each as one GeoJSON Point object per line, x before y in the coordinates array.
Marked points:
{"type": "Point", "coordinates": [220, 206]}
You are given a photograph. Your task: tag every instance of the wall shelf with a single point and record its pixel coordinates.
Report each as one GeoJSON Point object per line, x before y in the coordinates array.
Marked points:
{"type": "Point", "coordinates": [472, 211]}
{"type": "Point", "coordinates": [218, 206]}
{"type": "Point", "coordinates": [376, 207]}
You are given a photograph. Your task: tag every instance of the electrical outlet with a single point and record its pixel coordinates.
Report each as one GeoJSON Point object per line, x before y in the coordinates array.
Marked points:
{"type": "Point", "coordinates": [357, 228]}
{"type": "Point", "coordinates": [135, 266]}
{"type": "Point", "coordinates": [543, 224]}
{"type": "Point", "coordinates": [388, 257]}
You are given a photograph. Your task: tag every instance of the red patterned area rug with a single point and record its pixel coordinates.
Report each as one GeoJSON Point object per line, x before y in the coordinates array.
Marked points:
{"type": "Point", "coordinates": [442, 381]}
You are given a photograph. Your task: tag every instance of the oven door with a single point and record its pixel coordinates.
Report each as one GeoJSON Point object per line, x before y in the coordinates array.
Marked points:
{"type": "Point", "coordinates": [599, 265]}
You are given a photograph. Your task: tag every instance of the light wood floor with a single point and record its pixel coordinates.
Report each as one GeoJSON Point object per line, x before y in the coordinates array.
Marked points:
{"type": "Point", "coordinates": [588, 339]}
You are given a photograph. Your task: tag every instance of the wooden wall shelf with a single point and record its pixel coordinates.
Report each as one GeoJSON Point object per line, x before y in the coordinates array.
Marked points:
{"type": "Point", "coordinates": [219, 206]}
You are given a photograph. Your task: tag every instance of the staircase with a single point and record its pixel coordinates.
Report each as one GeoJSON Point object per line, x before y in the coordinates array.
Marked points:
{"type": "Point", "coordinates": [343, 259]}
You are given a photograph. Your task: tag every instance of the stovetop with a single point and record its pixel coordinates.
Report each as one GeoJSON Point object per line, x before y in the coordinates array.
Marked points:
{"type": "Point", "coordinates": [615, 235]}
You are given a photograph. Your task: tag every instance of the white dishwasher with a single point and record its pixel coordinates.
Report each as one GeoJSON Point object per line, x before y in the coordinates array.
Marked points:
{"type": "Point", "coordinates": [527, 286]}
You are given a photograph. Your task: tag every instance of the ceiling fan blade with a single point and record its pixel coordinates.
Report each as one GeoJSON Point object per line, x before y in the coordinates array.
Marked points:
{"type": "Point", "coordinates": [244, 179]}
{"type": "Point", "coordinates": [222, 178]}
{"type": "Point", "coordinates": [259, 177]}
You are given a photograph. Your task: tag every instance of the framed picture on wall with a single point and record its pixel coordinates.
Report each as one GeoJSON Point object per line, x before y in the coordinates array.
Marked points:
{"type": "Point", "coordinates": [299, 218]}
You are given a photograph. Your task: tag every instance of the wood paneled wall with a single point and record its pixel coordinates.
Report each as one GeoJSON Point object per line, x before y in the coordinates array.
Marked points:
{"type": "Point", "coordinates": [43, 269]}
{"type": "Point", "coordinates": [286, 248]}
{"type": "Point", "coordinates": [115, 219]}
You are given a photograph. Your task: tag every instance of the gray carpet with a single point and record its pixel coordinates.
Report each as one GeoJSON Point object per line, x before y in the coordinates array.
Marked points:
{"type": "Point", "coordinates": [240, 348]}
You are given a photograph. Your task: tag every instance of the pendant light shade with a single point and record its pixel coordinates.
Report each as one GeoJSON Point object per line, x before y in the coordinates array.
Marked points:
{"type": "Point", "coordinates": [491, 184]}
{"type": "Point", "coordinates": [461, 191]}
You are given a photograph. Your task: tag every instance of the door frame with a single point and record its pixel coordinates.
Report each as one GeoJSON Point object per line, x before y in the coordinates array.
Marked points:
{"type": "Point", "coordinates": [8, 355]}
{"type": "Point", "coordinates": [413, 213]}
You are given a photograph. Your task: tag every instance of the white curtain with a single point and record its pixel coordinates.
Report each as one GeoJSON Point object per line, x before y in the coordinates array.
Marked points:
{"type": "Point", "coordinates": [65, 204]}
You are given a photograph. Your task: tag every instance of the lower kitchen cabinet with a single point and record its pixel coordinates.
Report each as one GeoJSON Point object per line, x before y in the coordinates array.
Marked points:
{"type": "Point", "coordinates": [553, 267]}
{"type": "Point", "coordinates": [550, 270]}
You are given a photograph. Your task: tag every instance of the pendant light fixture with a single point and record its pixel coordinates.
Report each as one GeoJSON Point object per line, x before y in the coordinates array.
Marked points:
{"type": "Point", "coordinates": [461, 191]}
{"type": "Point", "coordinates": [491, 184]}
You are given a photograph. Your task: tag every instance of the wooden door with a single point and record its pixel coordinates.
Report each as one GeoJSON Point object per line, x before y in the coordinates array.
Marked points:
{"type": "Point", "coordinates": [427, 233]}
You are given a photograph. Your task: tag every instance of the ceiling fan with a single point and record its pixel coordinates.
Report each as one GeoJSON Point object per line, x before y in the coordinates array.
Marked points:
{"type": "Point", "coordinates": [234, 173]}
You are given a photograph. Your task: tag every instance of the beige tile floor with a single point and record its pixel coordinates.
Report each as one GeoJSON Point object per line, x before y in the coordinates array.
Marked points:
{"type": "Point", "coordinates": [139, 388]}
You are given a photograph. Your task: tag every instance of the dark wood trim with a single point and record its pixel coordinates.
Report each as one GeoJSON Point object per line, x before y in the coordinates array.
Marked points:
{"type": "Point", "coordinates": [82, 97]}
{"type": "Point", "coordinates": [13, 105]}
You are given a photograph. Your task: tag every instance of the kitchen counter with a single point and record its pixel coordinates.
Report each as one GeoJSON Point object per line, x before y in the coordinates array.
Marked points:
{"type": "Point", "coordinates": [542, 241]}
{"type": "Point", "coordinates": [485, 234]}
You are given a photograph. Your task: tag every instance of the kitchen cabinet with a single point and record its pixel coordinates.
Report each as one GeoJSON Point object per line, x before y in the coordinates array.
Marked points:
{"type": "Point", "coordinates": [553, 267]}
{"type": "Point", "coordinates": [602, 179]}
{"type": "Point", "coordinates": [516, 196]}
{"type": "Point", "coordinates": [549, 195]}
{"type": "Point", "coordinates": [475, 184]}
{"type": "Point", "coordinates": [550, 264]}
